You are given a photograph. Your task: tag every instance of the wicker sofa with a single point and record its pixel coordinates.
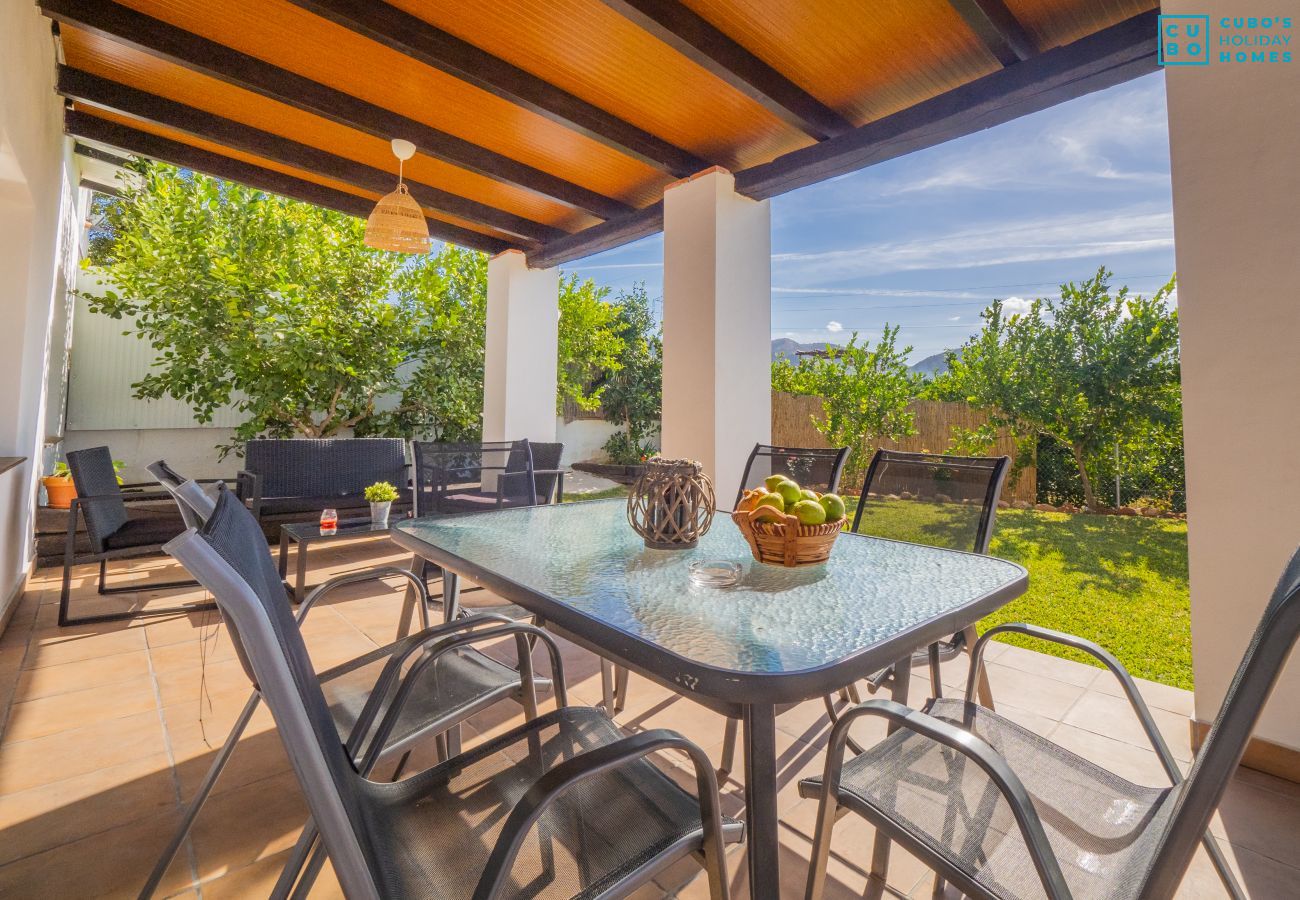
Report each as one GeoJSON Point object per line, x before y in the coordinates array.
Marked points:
{"type": "Point", "coordinates": [293, 480]}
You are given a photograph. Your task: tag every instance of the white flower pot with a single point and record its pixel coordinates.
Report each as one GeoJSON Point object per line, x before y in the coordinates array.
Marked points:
{"type": "Point", "coordinates": [379, 512]}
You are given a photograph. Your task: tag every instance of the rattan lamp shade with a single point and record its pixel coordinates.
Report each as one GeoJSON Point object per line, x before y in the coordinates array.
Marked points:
{"type": "Point", "coordinates": [398, 224]}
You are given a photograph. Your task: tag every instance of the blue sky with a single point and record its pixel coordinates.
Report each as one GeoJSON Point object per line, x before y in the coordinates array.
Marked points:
{"type": "Point", "coordinates": [928, 240]}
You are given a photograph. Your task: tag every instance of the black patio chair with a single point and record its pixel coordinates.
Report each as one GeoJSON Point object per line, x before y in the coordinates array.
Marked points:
{"type": "Point", "coordinates": [815, 468]}
{"type": "Point", "coordinates": [487, 823]}
{"type": "Point", "coordinates": [547, 474]}
{"type": "Point", "coordinates": [472, 477]}
{"type": "Point", "coordinates": [1003, 813]}
{"type": "Point", "coordinates": [940, 501]}
{"type": "Point", "coordinates": [116, 531]}
{"type": "Point", "coordinates": [461, 684]}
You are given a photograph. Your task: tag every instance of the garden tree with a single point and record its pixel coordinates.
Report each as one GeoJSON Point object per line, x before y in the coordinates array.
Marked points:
{"type": "Point", "coordinates": [278, 308]}
{"type": "Point", "coordinates": [589, 343]}
{"type": "Point", "coordinates": [633, 393]}
{"type": "Point", "coordinates": [250, 299]}
{"type": "Point", "coordinates": [865, 393]}
{"type": "Point", "coordinates": [1087, 370]}
{"type": "Point", "coordinates": [443, 392]}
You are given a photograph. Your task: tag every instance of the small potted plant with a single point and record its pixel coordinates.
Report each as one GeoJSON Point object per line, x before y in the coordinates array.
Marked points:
{"type": "Point", "coordinates": [381, 495]}
{"type": "Point", "coordinates": [59, 489]}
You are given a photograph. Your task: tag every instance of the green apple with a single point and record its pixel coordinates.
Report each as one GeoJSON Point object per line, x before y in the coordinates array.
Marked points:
{"type": "Point", "coordinates": [790, 492]}
{"type": "Point", "coordinates": [771, 481]}
{"type": "Point", "coordinates": [776, 501]}
{"type": "Point", "coordinates": [809, 512]}
{"type": "Point", "coordinates": [833, 504]}
{"type": "Point", "coordinates": [810, 495]}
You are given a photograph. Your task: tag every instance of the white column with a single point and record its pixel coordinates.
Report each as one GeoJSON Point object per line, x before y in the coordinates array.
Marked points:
{"type": "Point", "coordinates": [1233, 129]}
{"type": "Point", "coordinates": [523, 317]}
{"type": "Point", "coordinates": [717, 399]}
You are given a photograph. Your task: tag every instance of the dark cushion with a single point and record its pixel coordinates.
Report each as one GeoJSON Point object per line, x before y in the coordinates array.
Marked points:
{"type": "Point", "coordinates": [145, 530]}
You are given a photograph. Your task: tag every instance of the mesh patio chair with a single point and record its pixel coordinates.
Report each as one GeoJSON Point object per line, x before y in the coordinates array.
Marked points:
{"type": "Point", "coordinates": [1003, 813]}
{"type": "Point", "coordinates": [564, 804]}
{"type": "Point", "coordinates": [457, 685]}
{"type": "Point", "coordinates": [815, 468]}
{"type": "Point", "coordinates": [457, 478]}
{"type": "Point", "coordinates": [115, 531]}
{"type": "Point", "coordinates": [939, 501]}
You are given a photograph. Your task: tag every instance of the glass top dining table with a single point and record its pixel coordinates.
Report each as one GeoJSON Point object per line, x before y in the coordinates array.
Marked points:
{"type": "Point", "coordinates": [776, 636]}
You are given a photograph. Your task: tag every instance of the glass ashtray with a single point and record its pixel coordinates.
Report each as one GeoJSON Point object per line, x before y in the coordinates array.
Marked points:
{"type": "Point", "coordinates": [715, 573]}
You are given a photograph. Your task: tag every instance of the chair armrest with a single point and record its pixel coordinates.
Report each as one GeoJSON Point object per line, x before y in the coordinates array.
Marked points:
{"type": "Point", "coordinates": [549, 787]}
{"type": "Point", "coordinates": [1107, 659]}
{"type": "Point", "coordinates": [440, 645]}
{"type": "Point", "coordinates": [248, 486]}
{"type": "Point", "coordinates": [968, 744]}
{"type": "Point", "coordinates": [421, 592]}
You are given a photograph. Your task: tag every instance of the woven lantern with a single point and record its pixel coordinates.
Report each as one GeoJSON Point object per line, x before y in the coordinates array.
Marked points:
{"type": "Point", "coordinates": [671, 504]}
{"type": "Point", "coordinates": [397, 222]}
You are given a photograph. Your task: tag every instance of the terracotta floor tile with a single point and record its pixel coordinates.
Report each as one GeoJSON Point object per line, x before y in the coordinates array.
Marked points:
{"type": "Point", "coordinates": [1139, 765]}
{"type": "Point", "coordinates": [28, 764]}
{"type": "Point", "coordinates": [1112, 716]}
{"type": "Point", "coordinates": [1259, 820]}
{"type": "Point", "coordinates": [1156, 695]}
{"type": "Point", "coordinates": [52, 647]}
{"type": "Point", "coordinates": [76, 676]}
{"type": "Point", "coordinates": [113, 863]}
{"type": "Point", "coordinates": [44, 817]}
{"type": "Point", "coordinates": [1262, 878]}
{"type": "Point", "coordinates": [1034, 693]}
{"type": "Point", "coordinates": [242, 826]}
{"type": "Point", "coordinates": [76, 709]}
{"type": "Point", "coordinates": [1066, 670]}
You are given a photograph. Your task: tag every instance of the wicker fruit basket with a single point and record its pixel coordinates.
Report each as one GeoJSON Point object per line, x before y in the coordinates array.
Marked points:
{"type": "Point", "coordinates": [783, 541]}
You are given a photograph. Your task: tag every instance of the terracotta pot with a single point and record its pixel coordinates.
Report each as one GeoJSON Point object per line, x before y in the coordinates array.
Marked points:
{"type": "Point", "coordinates": [59, 491]}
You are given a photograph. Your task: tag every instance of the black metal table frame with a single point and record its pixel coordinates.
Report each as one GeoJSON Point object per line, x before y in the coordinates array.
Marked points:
{"type": "Point", "coordinates": [304, 540]}
{"type": "Point", "coordinates": [753, 697]}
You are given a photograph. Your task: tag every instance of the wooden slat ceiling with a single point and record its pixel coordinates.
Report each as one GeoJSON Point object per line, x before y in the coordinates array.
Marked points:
{"type": "Point", "coordinates": [555, 125]}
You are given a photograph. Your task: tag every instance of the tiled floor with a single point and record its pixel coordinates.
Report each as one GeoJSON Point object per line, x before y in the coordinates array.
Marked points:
{"type": "Point", "coordinates": [108, 729]}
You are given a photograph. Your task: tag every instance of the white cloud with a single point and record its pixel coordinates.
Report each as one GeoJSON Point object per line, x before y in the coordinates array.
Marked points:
{"type": "Point", "coordinates": [1131, 230]}
{"type": "Point", "coordinates": [1016, 305]}
{"type": "Point", "coordinates": [954, 318]}
{"type": "Point", "coordinates": [834, 327]}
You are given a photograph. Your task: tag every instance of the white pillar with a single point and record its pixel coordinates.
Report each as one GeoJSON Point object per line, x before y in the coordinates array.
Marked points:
{"type": "Point", "coordinates": [1233, 130]}
{"type": "Point", "coordinates": [523, 317]}
{"type": "Point", "coordinates": [717, 399]}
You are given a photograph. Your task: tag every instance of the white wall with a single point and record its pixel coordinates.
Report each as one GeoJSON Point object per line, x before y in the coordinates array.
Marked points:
{"type": "Point", "coordinates": [39, 228]}
{"type": "Point", "coordinates": [1234, 129]}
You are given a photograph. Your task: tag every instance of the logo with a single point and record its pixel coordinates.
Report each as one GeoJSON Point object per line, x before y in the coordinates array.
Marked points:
{"type": "Point", "coordinates": [1184, 40]}
{"type": "Point", "coordinates": [1196, 41]}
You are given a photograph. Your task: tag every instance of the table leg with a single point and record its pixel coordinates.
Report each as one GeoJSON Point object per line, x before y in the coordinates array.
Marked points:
{"type": "Point", "coordinates": [410, 600]}
{"type": "Point", "coordinates": [284, 553]}
{"type": "Point", "coordinates": [880, 848]}
{"type": "Point", "coordinates": [763, 839]}
{"type": "Point", "coordinates": [300, 579]}
{"type": "Point", "coordinates": [450, 595]}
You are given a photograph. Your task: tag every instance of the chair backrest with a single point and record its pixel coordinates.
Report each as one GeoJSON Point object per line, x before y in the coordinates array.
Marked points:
{"type": "Point", "coordinates": [925, 498]}
{"type": "Point", "coordinates": [94, 476]}
{"type": "Point", "coordinates": [229, 557]}
{"type": "Point", "coordinates": [468, 477]}
{"type": "Point", "coordinates": [546, 457]}
{"type": "Point", "coordinates": [195, 505]}
{"type": "Point", "coordinates": [325, 468]}
{"type": "Point", "coordinates": [815, 468]}
{"type": "Point", "coordinates": [1226, 741]}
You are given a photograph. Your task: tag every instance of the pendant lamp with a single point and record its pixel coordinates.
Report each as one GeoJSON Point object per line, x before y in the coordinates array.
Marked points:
{"type": "Point", "coordinates": [397, 222]}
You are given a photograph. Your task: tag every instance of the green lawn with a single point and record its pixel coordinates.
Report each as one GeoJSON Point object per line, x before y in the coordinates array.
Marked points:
{"type": "Point", "coordinates": [1121, 581]}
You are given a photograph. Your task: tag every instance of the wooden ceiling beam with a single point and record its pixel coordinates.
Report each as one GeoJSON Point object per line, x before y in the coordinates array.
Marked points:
{"type": "Point", "coordinates": [183, 48]}
{"type": "Point", "coordinates": [148, 107]}
{"type": "Point", "coordinates": [412, 36]}
{"type": "Point", "coordinates": [998, 29]}
{"type": "Point", "coordinates": [92, 128]}
{"type": "Point", "coordinates": [707, 46]}
{"type": "Point", "coordinates": [1112, 56]}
